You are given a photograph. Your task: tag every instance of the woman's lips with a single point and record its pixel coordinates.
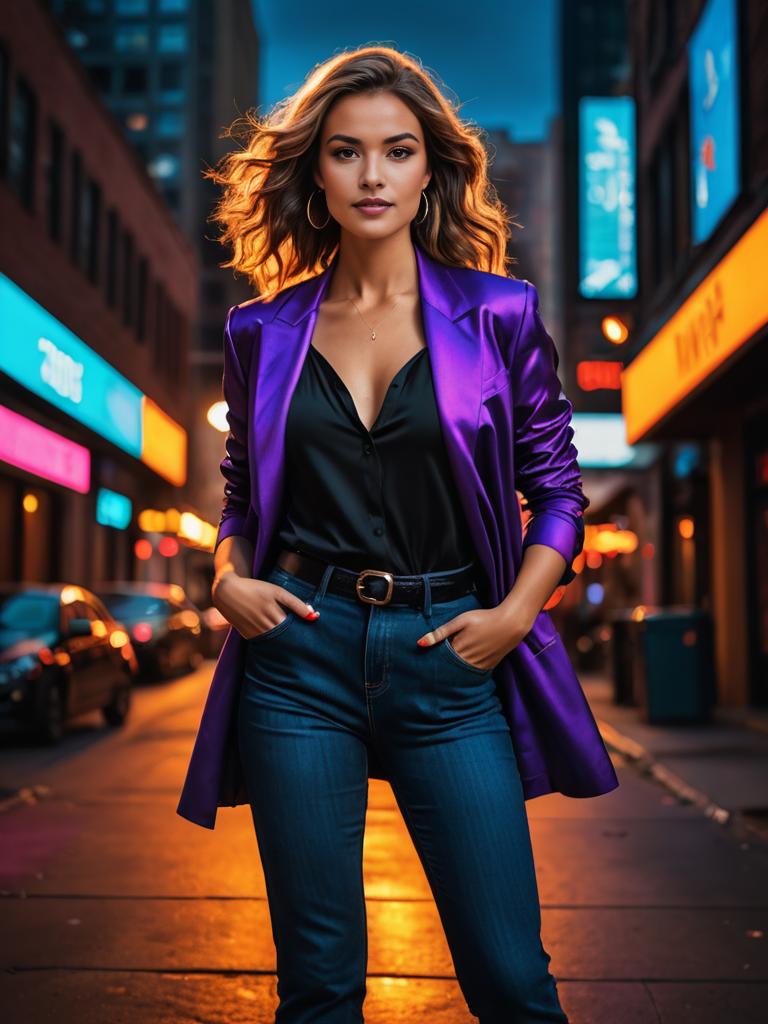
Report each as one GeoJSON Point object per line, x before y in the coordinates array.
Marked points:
{"type": "Point", "coordinates": [373, 210]}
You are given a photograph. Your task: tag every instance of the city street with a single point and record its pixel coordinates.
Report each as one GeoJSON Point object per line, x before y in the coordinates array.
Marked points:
{"type": "Point", "coordinates": [116, 910]}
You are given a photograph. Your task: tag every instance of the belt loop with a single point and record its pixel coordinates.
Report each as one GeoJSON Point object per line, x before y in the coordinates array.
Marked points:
{"type": "Point", "coordinates": [322, 586]}
{"type": "Point", "coordinates": [427, 596]}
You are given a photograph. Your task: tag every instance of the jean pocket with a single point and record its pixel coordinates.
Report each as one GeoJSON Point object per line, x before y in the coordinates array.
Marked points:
{"type": "Point", "coordinates": [274, 630]}
{"type": "Point", "coordinates": [448, 647]}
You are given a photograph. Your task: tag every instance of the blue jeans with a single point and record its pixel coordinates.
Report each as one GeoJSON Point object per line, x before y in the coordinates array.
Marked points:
{"type": "Point", "coordinates": [317, 696]}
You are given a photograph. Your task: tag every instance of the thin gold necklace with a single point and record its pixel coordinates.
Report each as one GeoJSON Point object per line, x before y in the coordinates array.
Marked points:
{"type": "Point", "coordinates": [371, 329]}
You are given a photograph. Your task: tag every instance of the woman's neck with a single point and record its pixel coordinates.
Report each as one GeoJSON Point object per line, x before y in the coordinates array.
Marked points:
{"type": "Point", "coordinates": [373, 272]}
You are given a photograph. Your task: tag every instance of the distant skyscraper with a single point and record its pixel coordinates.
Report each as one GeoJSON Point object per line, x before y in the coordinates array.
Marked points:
{"type": "Point", "coordinates": [175, 73]}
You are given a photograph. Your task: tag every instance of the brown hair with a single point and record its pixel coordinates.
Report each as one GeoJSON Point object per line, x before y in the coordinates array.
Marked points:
{"type": "Point", "coordinates": [267, 182]}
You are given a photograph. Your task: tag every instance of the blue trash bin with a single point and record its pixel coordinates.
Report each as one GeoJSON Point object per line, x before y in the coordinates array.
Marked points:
{"type": "Point", "coordinates": [678, 679]}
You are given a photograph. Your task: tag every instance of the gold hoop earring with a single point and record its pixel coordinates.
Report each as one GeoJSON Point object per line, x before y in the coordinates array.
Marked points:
{"type": "Point", "coordinates": [317, 227]}
{"type": "Point", "coordinates": [427, 209]}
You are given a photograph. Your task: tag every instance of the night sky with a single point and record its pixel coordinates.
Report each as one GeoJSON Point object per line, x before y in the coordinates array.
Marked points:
{"type": "Point", "coordinates": [499, 59]}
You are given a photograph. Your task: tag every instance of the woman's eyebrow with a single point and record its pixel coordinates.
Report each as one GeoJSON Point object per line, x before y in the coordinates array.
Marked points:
{"type": "Point", "coordinates": [359, 142]}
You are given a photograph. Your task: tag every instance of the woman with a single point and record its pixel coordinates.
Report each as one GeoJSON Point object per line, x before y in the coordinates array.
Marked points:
{"type": "Point", "coordinates": [386, 606]}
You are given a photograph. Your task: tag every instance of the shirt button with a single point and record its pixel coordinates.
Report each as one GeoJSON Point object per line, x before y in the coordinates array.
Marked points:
{"type": "Point", "coordinates": [379, 530]}
{"type": "Point", "coordinates": [368, 449]}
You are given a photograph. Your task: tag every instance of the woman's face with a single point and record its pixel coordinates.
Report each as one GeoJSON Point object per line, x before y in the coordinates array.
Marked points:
{"type": "Point", "coordinates": [371, 146]}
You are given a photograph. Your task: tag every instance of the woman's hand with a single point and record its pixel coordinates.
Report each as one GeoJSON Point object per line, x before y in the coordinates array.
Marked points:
{"type": "Point", "coordinates": [486, 635]}
{"type": "Point", "coordinates": [253, 606]}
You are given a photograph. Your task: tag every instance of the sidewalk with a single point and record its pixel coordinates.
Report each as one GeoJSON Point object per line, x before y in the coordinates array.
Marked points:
{"type": "Point", "coordinates": [720, 767]}
{"type": "Point", "coordinates": [115, 910]}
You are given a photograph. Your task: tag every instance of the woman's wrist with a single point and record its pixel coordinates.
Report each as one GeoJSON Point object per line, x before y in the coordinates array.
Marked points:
{"type": "Point", "coordinates": [520, 613]}
{"type": "Point", "coordinates": [223, 582]}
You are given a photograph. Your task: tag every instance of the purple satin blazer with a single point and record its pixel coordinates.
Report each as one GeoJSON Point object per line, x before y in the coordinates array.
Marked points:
{"type": "Point", "coordinates": [506, 425]}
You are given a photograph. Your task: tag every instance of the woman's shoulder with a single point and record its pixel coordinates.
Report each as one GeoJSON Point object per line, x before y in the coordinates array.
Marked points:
{"type": "Point", "coordinates": [258, 309]}
{"type": "Point", "coordinates": [504, 295]}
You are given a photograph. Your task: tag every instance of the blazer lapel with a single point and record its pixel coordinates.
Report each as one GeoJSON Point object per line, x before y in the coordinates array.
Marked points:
{"type": "Point", "coordinates": [457, 371]}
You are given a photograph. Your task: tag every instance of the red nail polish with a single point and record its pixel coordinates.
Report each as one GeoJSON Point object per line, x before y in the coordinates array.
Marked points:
{"type": "Point", "coordinates": [422, 642]}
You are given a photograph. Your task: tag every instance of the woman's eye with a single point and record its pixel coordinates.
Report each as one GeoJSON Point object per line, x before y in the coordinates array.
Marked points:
{"type": "Point", "coordinates": [397, 149]}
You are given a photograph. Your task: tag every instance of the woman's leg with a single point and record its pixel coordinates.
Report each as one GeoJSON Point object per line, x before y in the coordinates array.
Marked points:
{"type": "Point", "coordinates": [307, 779]}
{"type": "Point", "coordinates": [462, 802]}
{"type": "Point", "coordinates": [446, 745]}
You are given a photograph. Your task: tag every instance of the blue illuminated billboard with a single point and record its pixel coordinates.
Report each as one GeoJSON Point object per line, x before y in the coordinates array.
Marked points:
{"type": "Point", "coordinates": [44, 356]}
{"type": "Point", "coordinates": [607, 232]}
{"type": "Point", "coordinates": [713, 69]}
{"type": "Point", "coordinates": [113, 509]}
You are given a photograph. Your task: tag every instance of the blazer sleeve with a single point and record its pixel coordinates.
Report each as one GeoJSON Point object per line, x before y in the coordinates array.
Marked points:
{"type": "Point", "coordinates": [237, 515]}
{"type": "Point", "coordinates": [546, 467]}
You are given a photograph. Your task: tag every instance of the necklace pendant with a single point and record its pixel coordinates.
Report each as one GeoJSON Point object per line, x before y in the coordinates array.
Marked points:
{"type": "Point", "coordinates": [373, 335]}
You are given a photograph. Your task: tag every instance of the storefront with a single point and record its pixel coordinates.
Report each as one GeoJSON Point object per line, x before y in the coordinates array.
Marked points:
{"type": "Point", "coordinates": [82, 452]}
{"type": "Point", "coordinates": [700, 383]}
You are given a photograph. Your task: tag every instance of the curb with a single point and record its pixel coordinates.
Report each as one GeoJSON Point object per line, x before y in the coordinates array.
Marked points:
{"type": "Point", "coordinates": [647, 764]}
{"type": "Point", "coordinates": [25, 795]}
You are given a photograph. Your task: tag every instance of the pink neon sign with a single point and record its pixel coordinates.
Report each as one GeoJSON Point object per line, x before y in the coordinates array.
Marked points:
{"type": "Point", "coordinates": [43, 452]}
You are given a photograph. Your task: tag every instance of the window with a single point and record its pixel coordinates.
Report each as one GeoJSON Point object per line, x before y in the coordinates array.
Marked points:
{"type": "Point", "coordinates": [134, 79]}
{"type": "Point", "coordinates": [169, 123]}
{"type": "Point", "coordinates": [172, 6]}
{"type": "Point", "coordinates": [172, 39]}
{"type": "Point", "coordinates": [141, 300]}
{"type": "Point", "coordinates": [77, 39]}
{"type": "Point", "coordinates": [171, 80]}
{"type": "Point", "coordinates": [75, 212]}
{"type": "Point", "coordinates": [54, 174]}
{"type": "Point", "coordinates": [173, 336]}
{"type": "Point", "coordinates": [101, 77]}
{"type": "Point", "coordinates": [4, 97]}
{"type": "Point", "coordinates": [170, 76]}
{"type": "Point", "coordinates": [23, 134]}
{"type": "Point", "coordinates": [91, 230]}
{"type": "Point", "coordinates": [164, 166]}
{"type": "Point", "coordinates": [132, 39]}
{"type": "Point", "coordinates": [172, 197]}
{"type": "Point", "coordinates": [159, 331]}
{"type": "Point", "coordinates": [663, 179]}
{"type": "Point", "coordinates": [131, 7]}
{"type": "Point", "coordinates": [113, 231]}
{"type": "Point", "coordinates": [128, 308]}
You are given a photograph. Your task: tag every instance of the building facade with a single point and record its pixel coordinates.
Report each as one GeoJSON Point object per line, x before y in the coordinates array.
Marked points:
{"type": "Point", "coordinates": [176, 74]}
{"type": "Point", "coordinates": [98, 290]}
{"type": "Point", "coordinates": [696, 378]}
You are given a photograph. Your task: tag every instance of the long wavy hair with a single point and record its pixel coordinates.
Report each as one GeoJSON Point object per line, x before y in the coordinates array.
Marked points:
{"type": "Point", "coordinates": [267, 181]}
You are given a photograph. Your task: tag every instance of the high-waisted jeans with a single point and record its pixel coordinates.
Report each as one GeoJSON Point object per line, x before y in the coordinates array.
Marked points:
{"type": "Point", "coordinates": [317, 696]}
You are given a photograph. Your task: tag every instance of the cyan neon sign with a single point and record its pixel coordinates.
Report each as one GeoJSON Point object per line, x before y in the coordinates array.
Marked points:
{"type": "Point", "coordinates": [46, 357]}
{"type": "Point", "coordinates": [607, 229]}
{"type": "Point", "coordinates": [113, 509]}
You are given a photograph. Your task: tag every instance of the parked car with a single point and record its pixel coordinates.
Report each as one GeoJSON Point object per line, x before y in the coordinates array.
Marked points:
{"type": "Point", "coordinates": [61, 654]}
{"type": "Point", "coordinates": [165, 627]}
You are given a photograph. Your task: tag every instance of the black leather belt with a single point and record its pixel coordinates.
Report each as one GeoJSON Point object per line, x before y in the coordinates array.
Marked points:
{"type": "Point", "coordinates": [374, 586]}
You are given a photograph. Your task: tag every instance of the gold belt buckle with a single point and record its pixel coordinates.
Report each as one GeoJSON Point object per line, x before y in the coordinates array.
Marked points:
{"type": "Point", "coordinates": [374, 572]}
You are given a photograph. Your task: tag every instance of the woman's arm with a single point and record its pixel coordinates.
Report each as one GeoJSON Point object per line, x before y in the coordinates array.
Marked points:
{"type": "Point", "coordinates": [546, 467]}
{"type": "Point", "coordinates": [250, 605]}
{"type": "Point", "coordinates": [237, 516]}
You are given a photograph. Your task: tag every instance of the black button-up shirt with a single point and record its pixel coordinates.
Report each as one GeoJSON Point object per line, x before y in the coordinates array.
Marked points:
{"type": "Point", "coordinates": [378, 499]}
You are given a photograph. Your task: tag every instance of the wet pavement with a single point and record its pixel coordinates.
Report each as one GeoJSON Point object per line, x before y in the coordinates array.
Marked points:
{"type": "Point", "coordinates": [115, 909]}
